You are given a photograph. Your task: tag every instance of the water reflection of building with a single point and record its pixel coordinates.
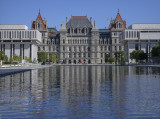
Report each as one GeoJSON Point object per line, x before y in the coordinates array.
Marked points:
{"type": "Point", "coordinates": [89, 83]}
{"type": "Point", "coordinates": [78, 89]}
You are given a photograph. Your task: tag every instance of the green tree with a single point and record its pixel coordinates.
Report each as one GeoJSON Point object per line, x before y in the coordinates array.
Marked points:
{"type": "Point", "coordinates": [28, 59]}
{"type": "Point", "coordinates": [2, 55]}
{"type": "Point", "coordinates": [42, 56]}
{"type": "Point", "coordinates": [156, 51]}
{"type": "Point", "coordinates": [50, 57]}
{"type": "Point", "coordinates": [138, 55]}
{"type": "Point", "coordinates": [55, 58]}
{"type": "Point", "coordinates": [107, 58]}
{"type": "Point", "coordinates": [120, 56]}
{"type": "Point", "coordinates": [11, 59]}
{"type": "Point", "coordinates": [5, 58]}
{"type": "Point", "coordinates": [111, 59]}
{"type": "Point", "coordinates": [34, 60]}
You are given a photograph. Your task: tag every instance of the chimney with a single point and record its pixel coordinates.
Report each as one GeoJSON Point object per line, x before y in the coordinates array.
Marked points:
{"type": "Point", "coordinates": [66, 19]}
{"type": "Point", "coordinates": [91, 20]}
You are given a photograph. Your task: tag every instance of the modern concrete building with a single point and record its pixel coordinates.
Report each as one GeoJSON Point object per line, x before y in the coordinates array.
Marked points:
{"type": "Point", "coordinates": [140, 37]}
{"type": "Point", "coordinates": [17, 39]}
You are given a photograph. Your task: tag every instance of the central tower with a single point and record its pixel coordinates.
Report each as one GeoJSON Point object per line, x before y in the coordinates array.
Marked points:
{"type": "Point", "coordinates": [78, 39]}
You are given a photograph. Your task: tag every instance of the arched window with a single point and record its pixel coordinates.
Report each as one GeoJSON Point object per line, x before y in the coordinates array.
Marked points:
{"type": "Point", "coordinates": [119, 25]}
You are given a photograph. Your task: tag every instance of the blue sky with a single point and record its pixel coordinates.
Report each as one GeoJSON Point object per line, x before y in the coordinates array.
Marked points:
{"type": "Point", "coordinates": [56, 11]}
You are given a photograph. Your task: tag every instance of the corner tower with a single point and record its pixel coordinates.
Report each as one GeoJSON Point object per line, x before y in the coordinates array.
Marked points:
{"type": "Point", "coordinates": [116, 27]}
{"type": "Point", "coordinates": [41, 25]}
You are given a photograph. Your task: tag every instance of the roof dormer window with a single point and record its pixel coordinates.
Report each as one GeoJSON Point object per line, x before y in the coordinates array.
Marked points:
{"type": "Point", "coordinates": [119, 25]}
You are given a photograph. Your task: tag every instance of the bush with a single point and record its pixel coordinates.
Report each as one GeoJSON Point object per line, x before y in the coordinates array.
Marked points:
{"type": "Point", "coordinates": [138, 55]}
{"type": "Point", "coordinates": [42, 56]}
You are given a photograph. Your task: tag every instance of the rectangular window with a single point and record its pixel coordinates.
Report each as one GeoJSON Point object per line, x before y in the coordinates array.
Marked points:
{"type": "Point", "coordinates": [136, 47]}
{"type": "Point", "coordinates": [13, 48]}
{"type": "Point", "coordinates": [39, 48]}
{"type": "Point", "coordinates": [84, 55]}
{"type": "Point", "coordinates": [115, 48]}
{"type": "Point", "coordinates": [88, 54]}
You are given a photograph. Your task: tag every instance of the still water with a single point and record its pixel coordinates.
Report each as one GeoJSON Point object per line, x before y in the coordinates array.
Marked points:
{"type": "Point", "coordinates": [82, 92]}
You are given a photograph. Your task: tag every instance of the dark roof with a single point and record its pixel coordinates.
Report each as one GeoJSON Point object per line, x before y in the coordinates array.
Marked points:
{"type": "Point", "coordinates": [104, 30]}
{"type": "Point", "coordinates": [78, 22]}
{"type": "Point", "coordinates": [52, 30]}
{"type": "Point", "coordinates": [104, 33]}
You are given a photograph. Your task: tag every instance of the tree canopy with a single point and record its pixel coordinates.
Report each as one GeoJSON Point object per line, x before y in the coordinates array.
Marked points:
{"type": "Point", "coordinates": [138, 55]}
{"type": "Point", "coordinates": [120, 56]}
{"type": "Point", "coordinates": [53, 57]}
{"type": "Point", "coordinates": [156, 51]}
{"type": "Point", "coordinates": [3, 57]}
{"type": "Point", "coordinates": [42, 56]}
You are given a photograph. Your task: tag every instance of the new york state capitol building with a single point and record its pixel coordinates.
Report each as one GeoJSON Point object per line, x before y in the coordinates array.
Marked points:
{"type": "Point", "coordinates": [79, 40]}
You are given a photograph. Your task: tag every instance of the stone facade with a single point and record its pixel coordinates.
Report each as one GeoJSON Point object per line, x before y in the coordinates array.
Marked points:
{"type": "Point", "coordinates": [116, 27]}
{"type": "Point", "coordinates": [79, 40]}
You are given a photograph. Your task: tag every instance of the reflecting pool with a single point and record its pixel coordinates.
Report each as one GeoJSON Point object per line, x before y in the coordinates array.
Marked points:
{"type": "Point", "coordinates": [82, 92]}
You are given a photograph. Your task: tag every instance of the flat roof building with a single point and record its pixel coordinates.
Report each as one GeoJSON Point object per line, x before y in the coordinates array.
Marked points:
{"type": "Point", "coordinates": [140, 37]}
{"type": "Point", "coordinates": [17, 39]}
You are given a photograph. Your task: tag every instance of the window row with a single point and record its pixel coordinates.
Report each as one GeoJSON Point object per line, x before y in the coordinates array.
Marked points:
{"type": "Point", "coordinates": [79, 30]}
{"type": "Point", "coordinates": [18, 34]}
{"type": "Point", "coordinates": [132, 34]}
{"type": "Point", "coordinates": [104, 41]}
{"type": "Point", "coordinates": [50, 48]}
{"type": "Point", "coordinates": [77, 41]}
{"type": "Point", "coordinates": [77, 48]}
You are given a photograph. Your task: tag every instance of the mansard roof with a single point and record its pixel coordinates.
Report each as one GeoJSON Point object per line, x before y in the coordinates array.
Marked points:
{"type": "Point", "coordinates": [39, 19]}
{"type": "Point", "coordinates": [118, 18]}
{"type": "Point", "coordinates": [78, 22]}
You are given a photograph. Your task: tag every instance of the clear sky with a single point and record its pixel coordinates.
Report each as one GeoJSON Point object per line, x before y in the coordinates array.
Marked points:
{"type": "Point", "coordinates": [56, 11]}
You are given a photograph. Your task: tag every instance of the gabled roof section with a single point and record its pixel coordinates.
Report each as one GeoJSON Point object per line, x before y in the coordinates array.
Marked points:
{"type": "Point", "coordinates": [118, 18]}
{"type": "Point", "coordinates": [39, 18]}
{"type": "Point", "coordinates": [63, 27]}
{"type": "Point", "coordinates": [78, 22]}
